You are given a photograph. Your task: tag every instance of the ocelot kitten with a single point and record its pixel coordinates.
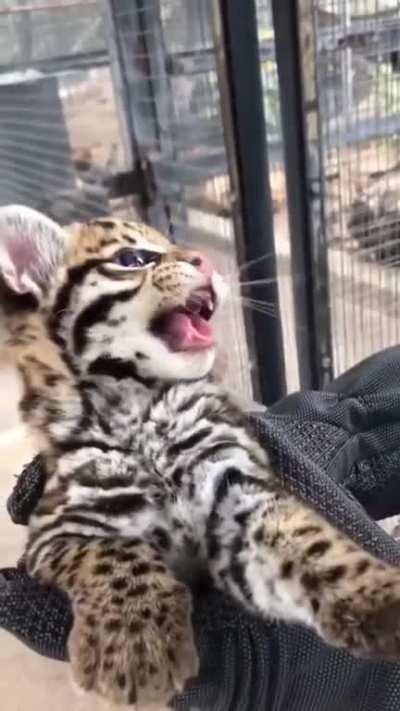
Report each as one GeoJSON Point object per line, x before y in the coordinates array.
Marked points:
{"type": "Point", "coordinates": [154, 477]}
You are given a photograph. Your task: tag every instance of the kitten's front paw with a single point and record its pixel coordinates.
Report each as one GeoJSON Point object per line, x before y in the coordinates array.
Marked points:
{"type": "Point", "coordinates": [136, 647]}
{"type": "Point", "coordinates": [365, 620]}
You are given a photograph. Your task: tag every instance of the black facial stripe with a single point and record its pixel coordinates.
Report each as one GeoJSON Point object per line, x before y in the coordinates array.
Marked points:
{"type": "Point", "coordinates": [95, 313]}
{"type": "Point", "coordinates": [71, 444]}
{"type": "Point", "coordinates": [118, 505]}
{"type": "Point", "coordinates": [130, 239]}
{"type": "Point", "coordinates": [119, 369]}
{"type": "Point", "coordinates": [76, 276]}
{"type": "Point", "coordinates": [107, 241]}
{"type": "Point", "coordinates": [90, 480]}
{"type": "Point", "coordinates": [79, 517]}
{"type": "Point", "coordinates": [107, 224]}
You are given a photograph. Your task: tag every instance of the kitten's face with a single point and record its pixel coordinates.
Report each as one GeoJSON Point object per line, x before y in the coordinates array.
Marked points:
{"type": "Point", "coordinates": [116, 297]}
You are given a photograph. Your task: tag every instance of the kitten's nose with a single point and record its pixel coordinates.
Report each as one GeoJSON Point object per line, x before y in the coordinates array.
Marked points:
{"type": "Point", "coordinates": [203, 264]}
{"type": "Point", "coordinates": [197, 259]}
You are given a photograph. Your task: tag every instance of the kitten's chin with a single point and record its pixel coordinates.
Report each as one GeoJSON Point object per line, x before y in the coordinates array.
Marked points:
{"type": "Point", "coordinates": [186, 365]}
{"type": "Point", "coordinates": [190, 365]}
{"type": "Point", "coordinates": [155, 361]}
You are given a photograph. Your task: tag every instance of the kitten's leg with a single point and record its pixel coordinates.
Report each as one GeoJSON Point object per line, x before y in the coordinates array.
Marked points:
{"type": "Point", "coordinates": [132, 637]}
{"type": "Point", "coordinates": [285, 560]}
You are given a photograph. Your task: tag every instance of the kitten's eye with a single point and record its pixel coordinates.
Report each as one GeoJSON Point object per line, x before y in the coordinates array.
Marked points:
{"type": "Point", "coordinates": [136, 258]}
{"type": "Point", "coordinates": [130, 258]}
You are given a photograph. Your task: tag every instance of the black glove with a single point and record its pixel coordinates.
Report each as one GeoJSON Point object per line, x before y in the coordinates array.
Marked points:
{"type": "Point", "coordinates": [39, 616]}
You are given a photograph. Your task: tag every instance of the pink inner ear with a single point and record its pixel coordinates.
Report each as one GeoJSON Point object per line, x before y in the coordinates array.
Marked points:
{"type": "Point", "coordinates": [23, 254]}
{"type": "Point", "coordinates": [31, 248]}
{"type": "Point", "coordinates": [26, 270]}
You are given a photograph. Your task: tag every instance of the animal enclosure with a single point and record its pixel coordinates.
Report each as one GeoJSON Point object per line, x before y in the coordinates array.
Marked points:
{"type": "Point", "coordinates": [276, 147]}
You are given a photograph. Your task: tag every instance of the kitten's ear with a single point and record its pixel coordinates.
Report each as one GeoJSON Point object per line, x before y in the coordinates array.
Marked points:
{"type": "Point", "coordinates": [32, 247]}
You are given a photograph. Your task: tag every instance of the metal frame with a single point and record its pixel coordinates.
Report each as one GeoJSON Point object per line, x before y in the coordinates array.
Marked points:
{"type": "Point", "coordinates": [239, 72]}
{"type": "Point", "coordinates": [63, 63]}
{"type": "Point", "coordinates": [238, 60]}
{"type": "Point", "coordinates": [300, 123]}
{"type": "Point", "coordinates": [240, 79]}
{"type": "Point", "coordinates": [134, 33]}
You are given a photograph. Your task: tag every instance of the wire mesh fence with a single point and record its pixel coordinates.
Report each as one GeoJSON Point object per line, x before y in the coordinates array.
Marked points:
{"type": "Point", "coordinates": [358, 46]}
{"type": "Point", "coordinates": [88, 89]}
{"type": "Point", "coordinates": [60, 136]}
{"type": "Point", "coordinates": [91, 88]}
{"type": "Point", "coordinates": [171, 86]}
{"type": "Point", "coordinates": [277, 177]}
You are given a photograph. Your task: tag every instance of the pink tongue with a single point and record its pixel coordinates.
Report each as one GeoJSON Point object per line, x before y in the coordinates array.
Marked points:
{"type": "Point", "coordinates": [184, 332]}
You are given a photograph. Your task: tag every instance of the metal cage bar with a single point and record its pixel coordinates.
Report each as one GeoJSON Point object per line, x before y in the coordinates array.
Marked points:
{"type": "Point", "coordinates": [238, 59]}
{"type": "Point", "coordinates": [136, 44]}
{"type": "Point", "coordinates": [296, 67]}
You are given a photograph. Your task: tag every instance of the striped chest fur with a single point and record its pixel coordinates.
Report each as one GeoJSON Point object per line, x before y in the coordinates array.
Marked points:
{"type": "Point", "coordinates": [155, 474]}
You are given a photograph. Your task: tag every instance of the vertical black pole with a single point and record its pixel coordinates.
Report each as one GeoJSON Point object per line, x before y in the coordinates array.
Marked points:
{"type": "Point", "coordinates": [296, 60]}
{"type": "Point", "coordinates": [238, 61]}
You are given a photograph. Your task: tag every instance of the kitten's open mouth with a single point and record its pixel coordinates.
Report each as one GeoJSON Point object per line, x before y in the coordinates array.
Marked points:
{"type": "Point", "coordinates": [187, 328]}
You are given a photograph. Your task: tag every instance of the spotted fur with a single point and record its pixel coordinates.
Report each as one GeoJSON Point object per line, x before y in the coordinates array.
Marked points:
{"type": "Point", "coordinates": [155, 480]}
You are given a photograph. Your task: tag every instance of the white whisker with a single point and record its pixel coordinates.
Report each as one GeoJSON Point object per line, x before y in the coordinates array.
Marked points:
{"type": "Point", "coordinates": [261, 308]}
{"type": "Point", "coordinates": [258, 282]}
{"type": "Point", "coordinates": [254, 302]}
{"type": "Point", "coordinates": [257, 301]}
{"type": "Point", "coordinates": [267, 255]}
{"type": "Point", "coordinates": [241, 267]}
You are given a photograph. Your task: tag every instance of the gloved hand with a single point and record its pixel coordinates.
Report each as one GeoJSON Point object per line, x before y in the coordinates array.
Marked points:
{"type": "Point", "coordinates": [331, 448]}
{"type": "Point", "coordinates": [39, 616]}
